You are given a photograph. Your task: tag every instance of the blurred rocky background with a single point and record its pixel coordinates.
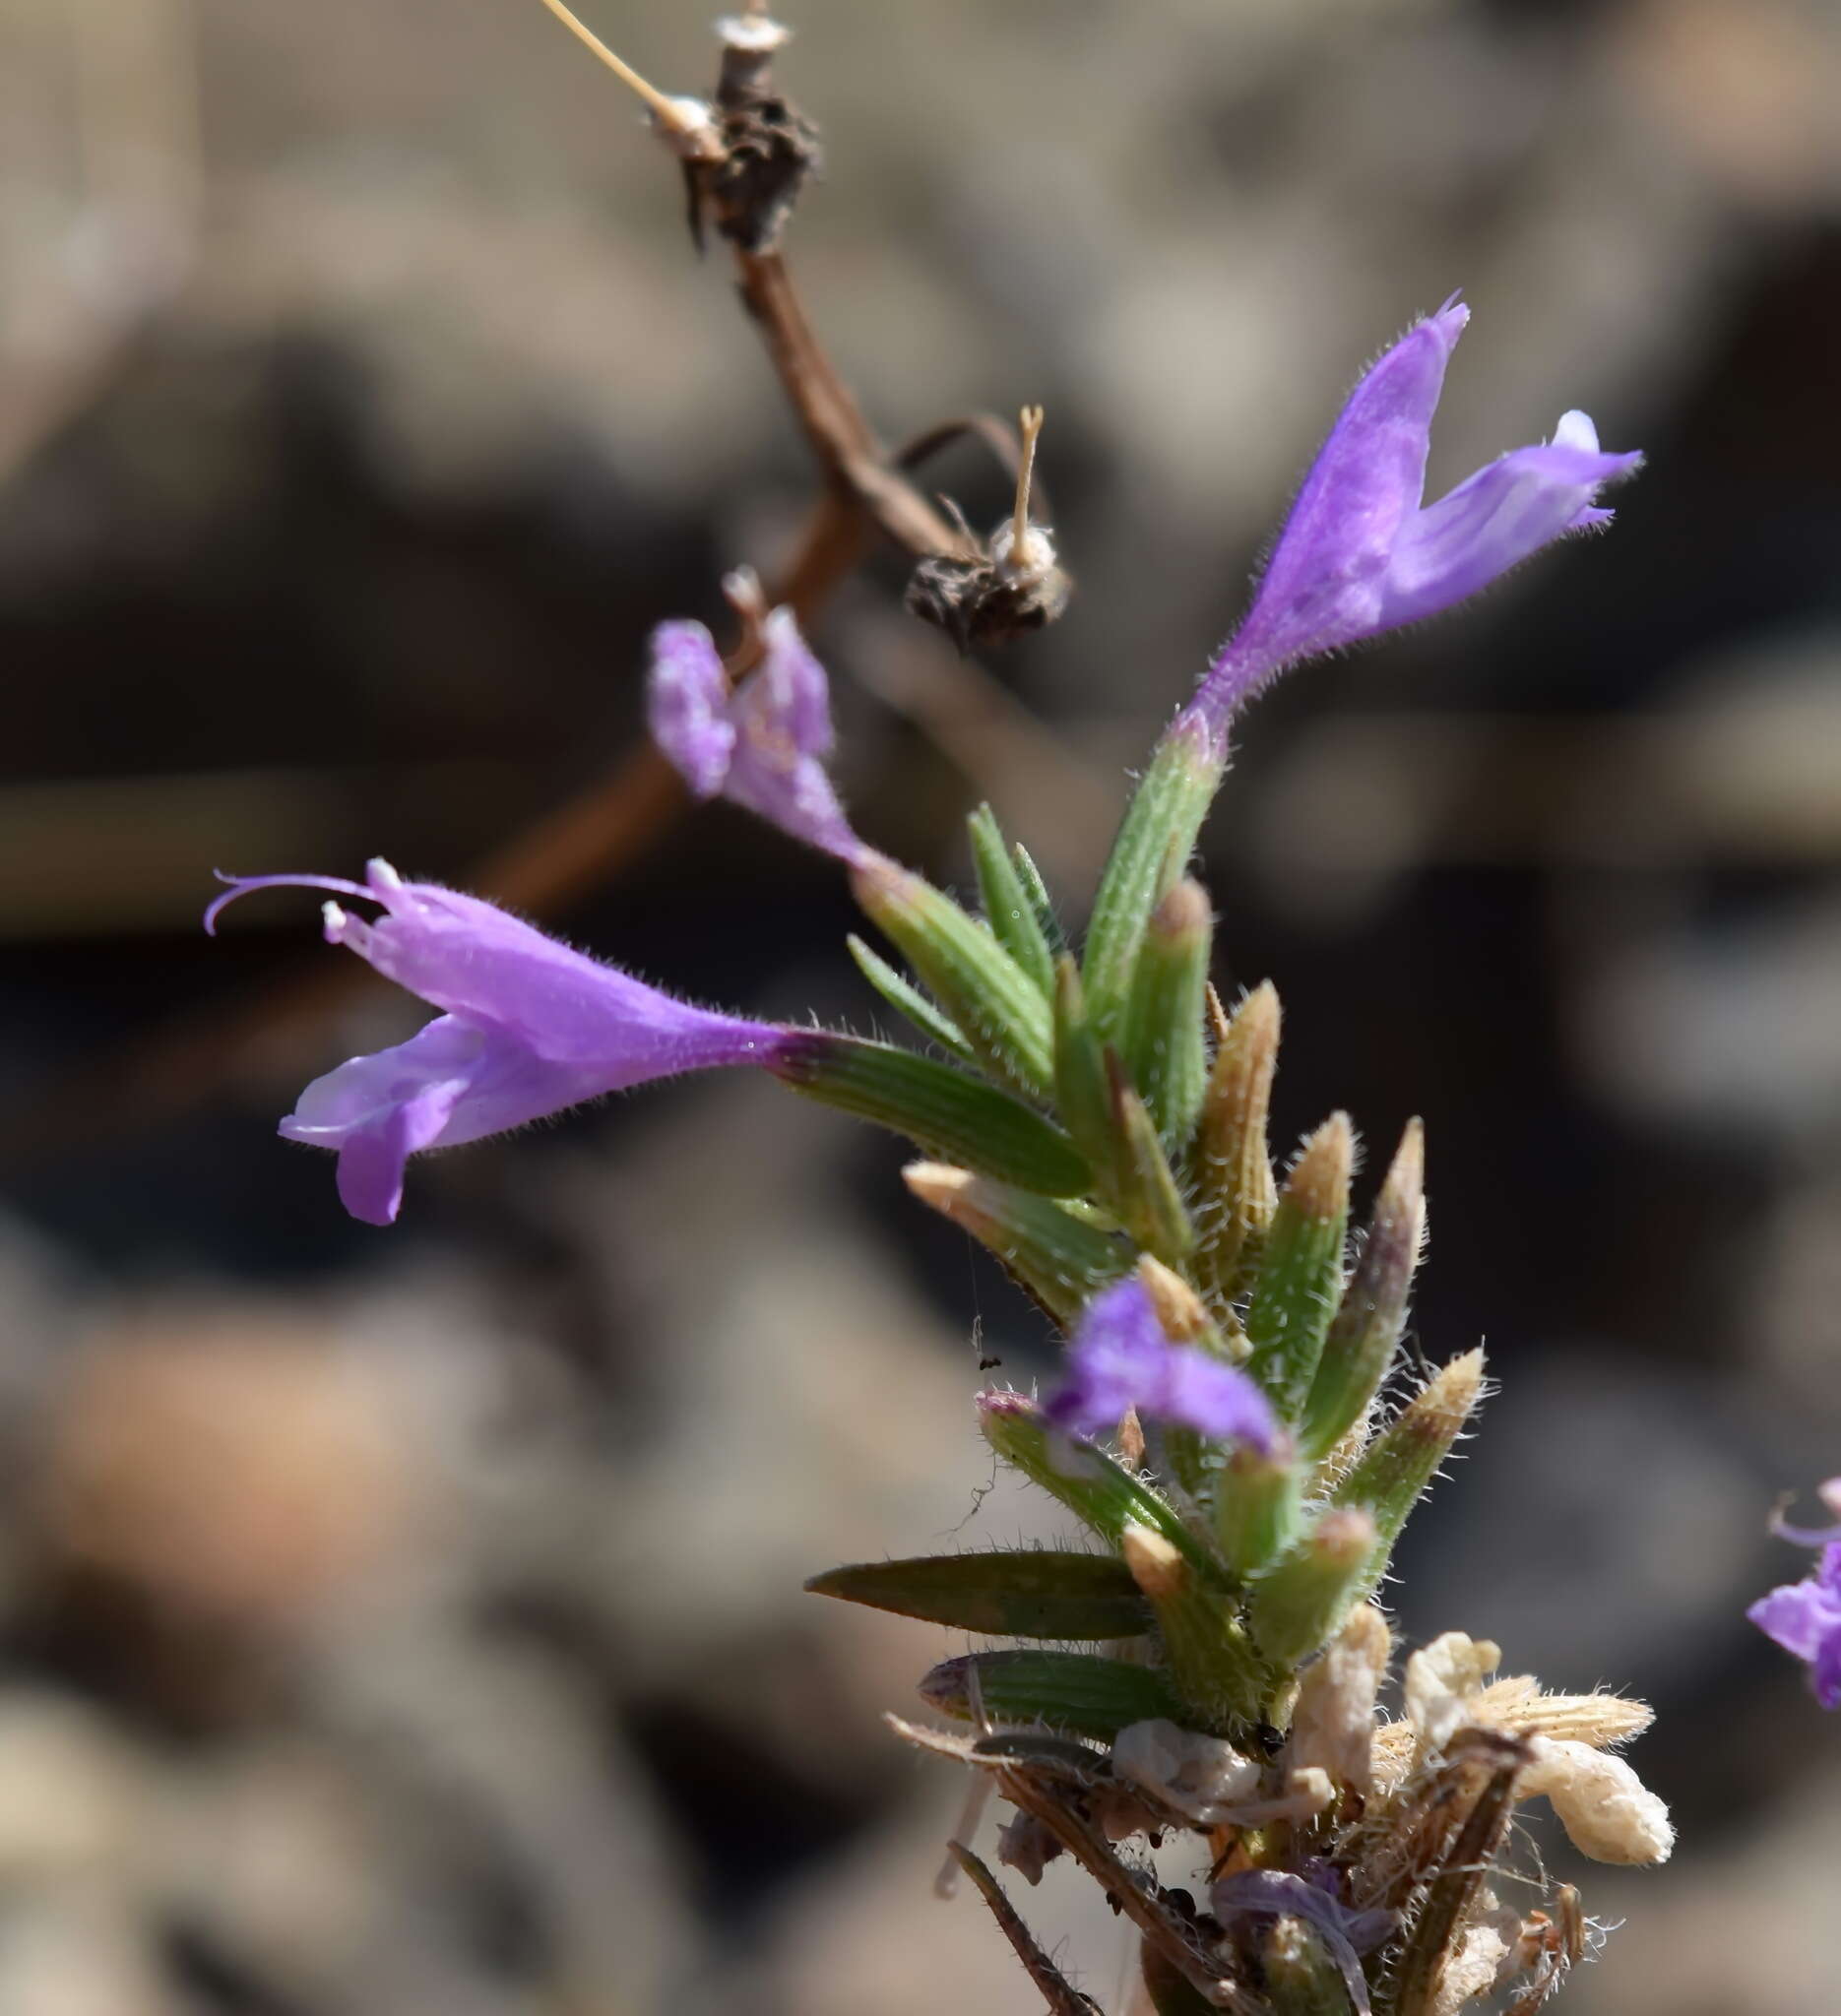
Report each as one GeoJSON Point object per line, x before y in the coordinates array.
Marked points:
{"type": "Point", "coordinates": [410, 1622]}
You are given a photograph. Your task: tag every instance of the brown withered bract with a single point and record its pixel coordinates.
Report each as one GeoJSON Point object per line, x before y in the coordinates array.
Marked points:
{"type": "Point", "coordinates": [769, 146]}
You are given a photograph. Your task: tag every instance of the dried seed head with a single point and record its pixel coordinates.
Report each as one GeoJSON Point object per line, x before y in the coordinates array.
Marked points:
{"type": "Point", "coordinates": [1440, 1679]}
{"type": "Point", "coordinates": [1333, 1722]}
{"type": "Point", "coordinates": [1607, 1810]}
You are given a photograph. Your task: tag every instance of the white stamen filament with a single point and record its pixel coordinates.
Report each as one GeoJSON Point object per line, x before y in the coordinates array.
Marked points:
{"type": "Point", "coordinates": [686, 121]}
{"type": "Point", "coordinates": [1019, 548]}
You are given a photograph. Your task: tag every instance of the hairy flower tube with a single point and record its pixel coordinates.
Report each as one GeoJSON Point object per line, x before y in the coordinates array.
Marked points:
{"type": "Point", "coordinates": [764, 746]}
{"type": "Point", "coordinates": [1120, 1359]}
{"type": "Point", "coordinates": [1804, 1618]}
{"type": "Point", "coordinates": [1361, 553]}
{"type": "Point", "coordinates": [529, 1027]}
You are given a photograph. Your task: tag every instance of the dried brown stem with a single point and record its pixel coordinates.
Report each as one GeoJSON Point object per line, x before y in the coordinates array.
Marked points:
{"type": "Point", "coordinates": [1062, 1997]}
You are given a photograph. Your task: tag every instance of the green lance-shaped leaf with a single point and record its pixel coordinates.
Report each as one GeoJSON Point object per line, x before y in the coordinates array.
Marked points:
{"type": "Point", "coordinates": [1212, 1660]}
{"type": "Point", "coordinates": [1148, 1202]}
{"type": "Point", "coordinates": [1302, 1977]}
{"type": "Point", "coordinates": [1059, 1260]}
{"type": "Point", "coordinates": [1035, 1594]}
{"type": "Point", "coordinates": [1256, 1500]}
{"type": "Point", "coordinates": [993, 1003]}
{"type": "Point", "coordinates": [1077, 1691]}
{"type": "Point", "coordinates": [1300, 1275]}
{"type": "Point", "coordinates": [1152, 850]}
{"type": "Point", "coordinates": [1297, 1606]}
{"type": "Point", "coordinates": [1392, 1473]}
{"type": "Point", "coordinates": [1043, 904]}
{"type": "Point", "coordinates": [1361, 1343]}
{"type": "Point", "coordinates": [1102, 1493]}
{"type": "Point", "coordinates": [907, 1000]}
{"type": "Point", "coordinates": [1232, 1165]}
{"type": "Point", "coordinates": [1083, 1093]}
{"type": "Point", "coordinates": [1008, 908]}
{"type": "Point", "coordinates": [1163, 1045]}
{"type": "Point", "coordinates": [941, 1108]}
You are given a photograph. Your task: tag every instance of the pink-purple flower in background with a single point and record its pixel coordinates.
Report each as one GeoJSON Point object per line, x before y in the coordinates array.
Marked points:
{"type": "Point", "coordinates": [764, 744]}
{"type": "Point", "coordinates": [529, 1026]}
{"type": "Point", "coordinates": [1804, 1618]}
{"type": "Point", "coordinates": [1361, 553]}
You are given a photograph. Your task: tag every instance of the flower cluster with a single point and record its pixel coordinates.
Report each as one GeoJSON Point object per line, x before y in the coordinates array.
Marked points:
{"type": "Point", "coordinates": [1220, 1426]}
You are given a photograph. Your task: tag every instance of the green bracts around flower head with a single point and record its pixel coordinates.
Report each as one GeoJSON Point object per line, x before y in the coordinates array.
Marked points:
{"type": "Point", "coordinates": [1300, 1602]}
{"type": "Point", "coordinates": [1083, 1093]}
{"type": "Point", "coordinates": [1295, 1608]}
{"type": "Point", "coordinates": [1392, 1473]}
{"type": "Point", "coordinates": [1163, 1045]}
{"type": "Point", "coordinates": [1256, 1500]}
{"type": "Point", "coordinates": [1149, 1203]}
{"type": "Point", "coordinates": [1152, 852]}
{"type": "Point", "coordinates": [1361, 1343]}
{"type": "Point", "coordinates": [998, 1009]}
{"type": "Point", "coordinates": [1230, 1161]}
{"type": "Point", "coordinates": [1041, 901]}
{"type": "Point", "coordinates": [907, 1000]}
{"type": "Point", "coordinates": [1222, 1679]}
{"type": "Point", "coordinates": [1301, 1273]}
{"type": "Point", "coordinates": [1075, 1691]}
{"type": "Point", "coordinates": [1009, 908]}
{"type": "Point", "coordinates": [1047, 1251]}
{"type": "Point", "coordinates": [941, 1108]}
{"type": "Point", "coordinates": [1100, 1493]}
{"type": "Point", "coordinates": [1029, 1593]}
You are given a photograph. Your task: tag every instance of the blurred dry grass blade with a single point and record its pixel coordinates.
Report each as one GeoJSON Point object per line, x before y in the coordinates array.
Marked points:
{"type": "Point", "coordinates": [91, 264]}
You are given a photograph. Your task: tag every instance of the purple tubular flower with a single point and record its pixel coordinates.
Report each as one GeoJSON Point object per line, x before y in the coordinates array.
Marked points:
{"type": "Point", "coordinates": [1361, 554]}
{"type": "Point", "coordinates": [529, 1027]}
{"type": "Point", "coordinates": [1120, 1359]}
{"type": "Point", "coordinates": [763, 745]}
{"type": "Point", "coordinates": [1274, 1893]}
{"type": "Point", "coordinates": [1805, 1618]}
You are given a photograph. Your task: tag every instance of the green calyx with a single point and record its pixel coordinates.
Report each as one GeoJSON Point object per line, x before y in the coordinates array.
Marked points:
{"type": "Point", "coordinates": [946, 1111]}
{"type": "Point", "coordinates": [1153, 848]}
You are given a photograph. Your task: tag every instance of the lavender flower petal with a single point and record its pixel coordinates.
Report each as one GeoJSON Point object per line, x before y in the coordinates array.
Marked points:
{"type": "Point", "coordinates": [764, 746]}
{"type": "Point", "coordinates": [1359, 555]}
{"type": "Point", "coordinates": [1275, 1893]}
{"type": "Point", "coordinates": [530, 1029]}
{"type": "Point", "coordinates": [687, 697]}
{"type": "Point", "coordinates": [1120, 1359]}
{"type": "Point", "coordinates": [1521, 502]}
{"type": "Point", "coordinates": [1805, 1618]}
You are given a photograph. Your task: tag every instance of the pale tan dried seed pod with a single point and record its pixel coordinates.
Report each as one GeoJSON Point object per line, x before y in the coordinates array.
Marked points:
{"type": "Point", "coordinates": [1333, 1721]}
{"type": "Point", "coordinates": [1607, 1810]}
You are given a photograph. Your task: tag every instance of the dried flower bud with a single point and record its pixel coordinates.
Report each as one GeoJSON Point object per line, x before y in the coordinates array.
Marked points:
{"type": "Point", "coordinates": [1191, 1774]}
{"type": "Point", "coordinates": [1440, 1679]}
{"type": "Point", "coordinates": [1028, 1846]}
{"type": "Point", "coordinates": [1333, 1721]}
{"type": "Point", "coordinates": [1607, 1810]}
